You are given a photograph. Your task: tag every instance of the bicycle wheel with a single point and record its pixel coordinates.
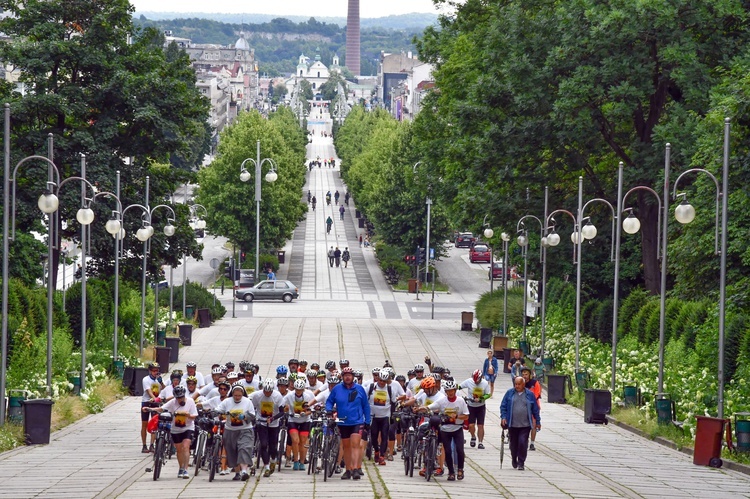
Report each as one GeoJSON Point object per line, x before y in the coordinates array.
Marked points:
{"type": "Point", "coordinates": [333, 456]}
{"type": "Point", "coordinates": [214, 458]}
{"type": "Point", "coordinates": [326, 456]}
{"type": "Point", "coordinates": [368, 450]}
{"type": "Point", "coordinates": [429, 457]}
{"type": "Point", "coordinates": [282, 448]}
{"type": "Point", "coordinates": [158, 456]}
{"type": "Point", "coordinates": [312, 459]}
{"type": "Point", "coordinates": [200, 449]}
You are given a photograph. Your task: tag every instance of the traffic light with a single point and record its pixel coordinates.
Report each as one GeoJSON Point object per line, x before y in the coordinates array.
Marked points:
{"type": "Point", "coordinates": [418, 256]}
{"type": "Point", "coordinates": [229, 269]}
{"type": "Point", "coordinates": [242, 257]}
{"type": "Point", "coordinates": [421, 255]}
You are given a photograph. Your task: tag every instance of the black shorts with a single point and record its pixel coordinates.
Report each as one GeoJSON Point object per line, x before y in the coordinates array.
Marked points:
{"type": "Point", "coordinates": [476, 414]}
{"type": "Point", "coordinates": [302, 428]}
{"type": "Point", "coordinates": [179, 437]}
{"type": "Point", "coordinates": [348, 431]}
{"type": "Point", "coordinates": [145, 416]}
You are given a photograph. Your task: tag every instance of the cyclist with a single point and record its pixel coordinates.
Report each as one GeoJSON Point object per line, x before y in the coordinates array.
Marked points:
{"type": "Point", "coordinates": [217, 375]}
{"type": "Point", "coordinates": [312, 380]}
{"type": "Point", "coordinates": [167, 393]}
{"type": "Point", "coordinates": [239, 437]}
{"type": "Point", "coordinates": [381, 398]}
{"type": "Point", "coordinates": [185, 412]}
{"type": "Point", "coordinates": [393, 427]}
{"type": "Point", "coordinates": [191, 369]}
{"type": "Point", "coordinates": [479, 391]}
{"type": "Point", "coordinates": [282, 385]}
{"type": "Point", "coordinates": [414, 384]}
{"type": "Point", "coordinates": [331, 366]}
{"type": "Point", "coordinates": [249, 382]}
{"type": "Point", "coordinates": [152, 385]}
{"type": "Point", "coordinates": [293, 365]}
{"type": "Point", "coordinates": [428, 394]}
{"type": "Point", "coordinates": [229, 366]}
{"type": "Point", "coordinates": [281, 371]}
{"type": "Point", "coordinates": [302, 366]}
{"type": "Point", "coordinates": [299, 402]}
{"type": "Point", "coordinates": [343, 363]}
{"type": "Point", "coordinates": [315, 366]}
{"type": "Point", "coordinates": [269, 404]}
{"type": "Point", "coordinates": [454, 410]}
{"type": "Point", "coordinates": [353, 409]}
{"type": "Point", "coordinates": [191, 383]}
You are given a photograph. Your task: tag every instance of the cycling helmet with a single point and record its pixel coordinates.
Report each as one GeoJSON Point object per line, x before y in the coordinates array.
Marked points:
{"type": "Point", "coordinates": [384, 374]}
{"type": "Point", "coordinates": [418, 367]}
{"type": "Point", "coordinates": [438, 369]}
{"type": "Point", "coordinates": [300, 384]}
{"type": "Point", "coordinates": [243, 365]}
{"type": "Point", "coordinates": [376, 370]}
{"type": "Point", "coordinates": [344, 362]}
{"type": "Point", "coordinates": [254, 367]}
{"type": "Point", "coordinates": [191, 364]}
{"type": "Point", "coordinates": [282, 370]}
{"type": "Point", "coordinates": [179, 391]}
{"type": "Point", "coordinates": [428, 383]}
{"type": "Point", "coordinates": [311, 373]}
{"type": "Point", "coordinates": [389, 370]}
{"type": "Point", "coordinates": [436, 377]}
{"type": "Point", "coordinates": [450, 385]}
{"type": "Point", "coordinates": [175, 375]}
{"type": "Point", "coordinates": [232, 376]}
{"type": "Point", "coordinates": [401, 377]}
{"type": "Point", "coordinates": [315, 366]}
{"type": "Point", "coordinates": [347, 370]}
{"type": "Point", "coordinates": [240, 386]}
{"type": "Point", "coordinates": [282, 382]}
{"type": "Point", "coordinates": [191, 379]}
{"type": "Point", "coordinates": [410, 372]}
{"type": "Point", "coordinates": [224, 383]}
{"type": "Point", "coordinates": [333, 379]}
{"type": "Point", "coordinates": [154, 365]}
{"type": "Point", "coordinates": [302, 362]}
{"type": "Point", "coordinates": [248, 371]}
{"type": "Point", "coordinates": [223, 368]}
{"type": "Point", "coordinates": [538, 361]}
{"type": "Point", "coordinates": [217, 370]}
{"type": "Point", "coordinates": [321, 374]}
{"type": "Point", "coordinates": [230, 365]}
{"type": "Point", "coordinates": [293, 361]}
{"type": "Point", "coordinates": [268, 385]}
{"type": "Point", "coordinates": [330, 364]}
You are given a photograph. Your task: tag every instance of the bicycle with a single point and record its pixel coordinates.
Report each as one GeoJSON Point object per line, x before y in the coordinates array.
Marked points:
{"type": "Point", "coordinates": [203, 426]}
{"type": "Point", "coordinates": [431, 447]}
{"type": "Point", "coordinates": [331, 444]}
{"type": "Point", "coordinates": [410, 441]}
{"type": "Point", "coordinates": [315, 443]}
{"type": "Point", "coordinates": [283, 431]}
{"type": "Point", "coordinates": [163, 447]}
{"type": "Point", "coordinates": [217, 445]}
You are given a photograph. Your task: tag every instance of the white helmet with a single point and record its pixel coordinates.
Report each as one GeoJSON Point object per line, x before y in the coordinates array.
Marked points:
{"type": "Point", "coordinates": [300, 384]}
{"type": "Point", "coordinates": [384, 374]}
{"type": "Point", "coordinates": [450, 385]}
{"type": "Point", "coordinates": [268, 385]}
{"type": "Point", "coordinates": [418, 367]}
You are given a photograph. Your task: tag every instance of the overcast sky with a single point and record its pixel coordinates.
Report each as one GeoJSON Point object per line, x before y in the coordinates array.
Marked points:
{"type": "Point", "coordinates": [320, 8]}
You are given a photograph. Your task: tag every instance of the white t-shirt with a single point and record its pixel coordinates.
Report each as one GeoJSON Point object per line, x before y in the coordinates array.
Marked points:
{"type": "Point", "coordinates": [295, 404]}
{"type": "Point", "coordinates": [233, 410]}
{"type": "Point", "coordinates": [181, 423]}
{"type": "Point", "coordinates": [423, 399]}
{"type": "Point", "coordinates": [251, 386]}
{"type": "Point", "coordinates": [205, 390]}
{"type": "Point", "coordinates": [266, 407]}
{"type": "Point", "coordinates": [167, 392]}
{"type": "Point", "coordinates": [317, 386]}
{"type": "Point", "coordinates": [451, 409]}
{"type": "Point", "coordinates": [380, 400]}
{"type": "Point", "coordinates": [478, 390]}
{"type": "Point", "coordinates": [198, 376]}
{"type": "Point", "coordinates": [211, 404]}
{"type": "Point", "coordinates": [322, 397]}
{"type": "Point", "coordinates": [152, 384]}
{"type": "Point", "coordinates": [413, 385]}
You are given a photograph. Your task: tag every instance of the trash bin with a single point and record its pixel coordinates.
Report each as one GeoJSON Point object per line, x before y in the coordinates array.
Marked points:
{"type": "Point", "coordinates": [204, 318]}
{"type": "Point", "coordinates": [742, 431]}
{"type": "Point", "coordinates": [361, 223]}
{"type": "Point", "coordinates": [524, 347]}
{"type": "Point", "coordinates": [467, 320]}
{"type": "Point", "coordinates": [162, 357]}
{"type": "Point", "coordinates": [412, 285]}
{"type": "Point", "coordinates": [282, 256]}
{"type": "Point", "coordinates": [15, 405]}
{"type": "Point", "coordinates": [665, 409]}
{"type": "Point", "coordinates": [137, 385]}
{"type": "Point", "coordinates": [499, 343]}
{"type": "Point", "coordinates": [118, 368]}
{"type": "Point", "coordinates": [127, 377]}
{"type": "Point", "coordinates": [186, 333]}
{"type": "Point", "coordinates": [631, 394]}
{"type": "Point", "coordinates": [357, 213]}
{"type": "Point", "coordinates": [556, 388]}
{"type": "Point", "coordinates": [582, 380]}
{"type": "Point", "coordinates": [539, 372]}
{"type": "Point", "coordinates": [173, 342]}
{"type": "Point", "coordinates": [74, 377]}
{"type": "Point", "coordinates": [597, 404]}
{"type": "Point", "coordinates": [189, 311]}
{"type": "Point", "coordinates": [507, 352]}
{"type": "Point", "coordinates": [485, 337]}
{"type": "Point", "coordinates": [37, 420]}
{"type": "Point", "coordinates": [549, 363]}
{"type": "Point", "coordinates": [707, 451]}
{"type": "Point", "coordinates": [160, 335]}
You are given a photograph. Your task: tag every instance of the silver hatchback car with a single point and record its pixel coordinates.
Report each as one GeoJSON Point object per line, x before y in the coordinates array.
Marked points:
{"type": "Point", "coordinates": [268, 290]}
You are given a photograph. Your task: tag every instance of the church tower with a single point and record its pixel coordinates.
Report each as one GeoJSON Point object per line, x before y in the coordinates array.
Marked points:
{"type": "Point", "coordinates": [352, 38]}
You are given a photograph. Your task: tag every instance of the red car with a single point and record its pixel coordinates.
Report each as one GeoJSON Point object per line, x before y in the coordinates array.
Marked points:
{"type": "Point", "coordinates": [479, 253]}
{"type": "Point", "coordinates": [497, 272]}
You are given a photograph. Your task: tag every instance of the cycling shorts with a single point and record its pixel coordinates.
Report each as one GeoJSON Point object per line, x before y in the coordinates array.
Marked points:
{"type": "Point", "coordinates": [348, 431]}
{"type": "Point", "coordinates": [179, 437]}
{"type": "Point", "coordinates": [301, 428]}
{"type": "Point", "coordinates": [145, 416]}
{"type": "Point", "coordinates": [476, 414]}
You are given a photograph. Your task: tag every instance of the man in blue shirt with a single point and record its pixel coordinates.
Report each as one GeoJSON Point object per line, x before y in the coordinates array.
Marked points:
{"type": "Point", "coordinates": [353, 408]}
{"type": "Point", "coordinates": [518, 411]}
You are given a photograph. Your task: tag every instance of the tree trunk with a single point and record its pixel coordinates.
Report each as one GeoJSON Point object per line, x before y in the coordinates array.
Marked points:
{"type": "Point", "coordinates": [648, 212]}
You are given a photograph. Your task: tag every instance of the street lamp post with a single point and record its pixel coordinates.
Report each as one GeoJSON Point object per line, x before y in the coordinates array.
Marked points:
{"type": "Point", "coordinates": [196, 223]}
{"type": "Point", "coordinates": [271, 177]}
{"type": "Point", "coordinates": [428, 202]}
{"type": "Point", "coordinates": [488, 233]}
{"type": "Point", "coordinates": [523, 242]}
{"type": "Point", "coordinates": [506, 238]}
{"type": "Point", "coordinates": [685, 213]}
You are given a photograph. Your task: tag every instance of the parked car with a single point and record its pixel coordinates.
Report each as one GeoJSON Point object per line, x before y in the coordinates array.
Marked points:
{"type": "Point", "coordinates": [480, 253]}
{"type": "Point", "coordinates": [269, 290]}
{"type": "Point", "coordinates": [464, 240]}
{"type": "Point", "coordinates": [497, 271]}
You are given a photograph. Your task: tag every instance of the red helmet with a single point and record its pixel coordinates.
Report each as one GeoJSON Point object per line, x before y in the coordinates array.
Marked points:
{"type": "Point", "coordinates": [476, 376]}
{"type": "Point", "coordinates": [347, 370]}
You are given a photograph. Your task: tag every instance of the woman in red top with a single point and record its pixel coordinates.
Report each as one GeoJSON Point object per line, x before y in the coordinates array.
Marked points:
{"type": "Point", "coordinates": [536, 388]}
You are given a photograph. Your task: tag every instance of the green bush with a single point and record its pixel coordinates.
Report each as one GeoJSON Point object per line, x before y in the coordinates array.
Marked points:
{"type": "Point", "coordinates": [196, 295]}
{"type": "Point", "coordinates": [489, 309]}
{"type": "Point", "coordinates": [696, 317]}
{"type": "Point", "coordinates": [603, 321]}
{"type": "Point", "coordinates": [639, 322]}
{"type": "Point", "coordinates": [736, 328]}
{"type": "Point", "coordinates": [266, 260]}
{"type": "Point", "coordinates": [653, 321]}
{"type": "Point", "coordinates": [588, 317]}
{"type": "Point", "coordinates": [629, 307]}
{"type": "Point", "coordinates": [673, 309]}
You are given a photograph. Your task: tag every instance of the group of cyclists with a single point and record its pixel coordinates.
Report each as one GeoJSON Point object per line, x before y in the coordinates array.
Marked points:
{"type": "Point", "coordinates": [371, 417]}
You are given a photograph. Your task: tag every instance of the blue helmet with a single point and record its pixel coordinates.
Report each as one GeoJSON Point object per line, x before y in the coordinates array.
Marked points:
{"type": "Point", "coordinates": [282, 370]}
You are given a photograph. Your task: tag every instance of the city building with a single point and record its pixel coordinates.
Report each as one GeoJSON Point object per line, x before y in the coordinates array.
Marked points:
{"type": "Point", "coordinates": [353, 38]}
{"type": "Point", "coordinates": [392, 71]}
{"type": "Point", "coordinates": [407, 95]}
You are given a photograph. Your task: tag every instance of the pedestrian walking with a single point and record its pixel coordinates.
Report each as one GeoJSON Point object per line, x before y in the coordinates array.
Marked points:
{"type": "Point", "coordinates": [314, 202]}
{"type": "Point", "coordinates": [518, 411]}
{"type": "Point", "coordinates": [489, 370]}
{"type": "Point", "coordinates": [337, 256]}
{"type": "Point", "coordinates": [515, 357]}
{"type": "Point", "coordinates": [329, 223]}
{"type": "Point", "coordinates": [360, 240]}
{"type": "Point", "coordinates": [309, 196]}
{"type": "Point", "coordinates": [341, 211]}
{"type": "Point", "coordinates": [346, 256]}
{"type": "Point", "coordinates": [336, 197]}
{"type": "Point", "coordinates": [328, 198]}
{"type": "Point", "coordinates": [330, 256]}
{"type": "Point", "coordinates": [536, 388]}
{"type": "Point", "coordinates": [346, 198]}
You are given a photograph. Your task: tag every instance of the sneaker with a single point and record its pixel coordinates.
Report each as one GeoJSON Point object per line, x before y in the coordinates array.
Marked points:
{"type": "Point", "coordinates": [520, 467]}
{"type": "Point", "coordinates": [244, 476]}
{"type": "Point", "coordinates": [267, 472]}
{"type": "Point", "coordinates": [144, 450]}
{"type": "Point", "coordinates": [347, 475]}
{"type": "Point", "coordinates": [358, 471]}
{"type": "Point", "coordinates": [151, 448]}
{"type": "Point", "coordinates": [451, 477]}
{"type": "Point", "coordinates": [185, 474]}
{"type": "Point", "coordinates": [381, 461]}
{"type": "Point", "coordinates": [357, 474]}
{"type": "Point", "coordinates": [295, 467]}
{"type": "Point", "coordinates": [288, 463]}
{"type": "Point", "coordinates": [473, 442]}
{"type": "Point", "coordinates": [531, 446]}
{"type": "Point", "coordinates": [514, 462]}
{"type": "Point", "coordinates": [400, 448]}
{"type": "Point", "coordinates": [480, 446]}
{"type": "Point", "coordinates": [180, 472]}
{"type": "Point", "coordinates": [236, 477]}
{"type": "Point", "coordinates": [223, 472]}
{"type": "Point", "coordinates": [301, 466]}
{"type": "Point", "coordinates": [439, 472]}
{"type": "Point", "coordinates": [390, 457]}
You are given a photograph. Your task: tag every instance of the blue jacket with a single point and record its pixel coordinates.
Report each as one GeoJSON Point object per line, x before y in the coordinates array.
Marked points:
{"type": "Point", "coordinates": [487, 366]}
{"type": "Point", "coordinates": [353, 411]}
{"type": "Point", "coordinates": [506, 406]}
